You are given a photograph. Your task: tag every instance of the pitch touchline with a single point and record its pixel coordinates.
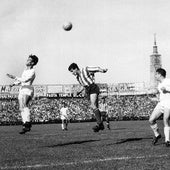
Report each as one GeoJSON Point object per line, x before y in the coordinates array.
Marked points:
{"type": "Point", "coordinates": [81, 162]}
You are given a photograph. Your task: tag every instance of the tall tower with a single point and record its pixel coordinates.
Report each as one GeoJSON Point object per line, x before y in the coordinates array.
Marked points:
{"type": "Point", "coordinates": [155, 63]}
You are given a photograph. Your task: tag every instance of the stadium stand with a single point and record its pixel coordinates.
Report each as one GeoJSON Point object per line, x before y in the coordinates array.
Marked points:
{"type": "Point", "coordinates": [44, 110]}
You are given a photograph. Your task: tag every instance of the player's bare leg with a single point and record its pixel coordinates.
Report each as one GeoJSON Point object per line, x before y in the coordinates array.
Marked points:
{"type": "Point", "coordinates": [166, 127]}
{"type": "Point", "coordinates": [157, 112]}
{"type": "Point", "coordinates": [107, 122]}
{"type": "Point", "coordinates": [63, 124]}
{"type": "Point", "coordinates": [94, 105]}
{"type": "Point", "coordinates": [25, 113]}
{"type": "Point", "coordinates": [66, 124]}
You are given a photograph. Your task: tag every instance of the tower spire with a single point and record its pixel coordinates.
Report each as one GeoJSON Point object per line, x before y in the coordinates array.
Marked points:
{"type": "Point", "coordinates": [155, 49]}
{"type": "Point", "coordinates": [155, 63]}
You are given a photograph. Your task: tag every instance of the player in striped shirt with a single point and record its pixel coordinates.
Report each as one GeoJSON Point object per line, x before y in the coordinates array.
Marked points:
{"type": "Point", "coordinates": [104, 112]}
{"type": "Point", "coordinates": [26, 91]}
{"type": "Point", "coordinates": [85, 77]}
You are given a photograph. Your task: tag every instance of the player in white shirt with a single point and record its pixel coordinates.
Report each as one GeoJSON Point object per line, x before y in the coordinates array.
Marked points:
{"type": "Point", "coordinates": [26, 91]}
{"type": "Point", "coordinates": [163, 107]}
{"type": "Point", "coordinates": [64, 115]}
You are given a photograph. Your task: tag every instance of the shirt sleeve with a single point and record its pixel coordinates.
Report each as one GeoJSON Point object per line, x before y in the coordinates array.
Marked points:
{"type": "Point", "coordinates": [29, 76]}
{"type": "Point", "coordinates": [93, 69]}
{"type": "Point", "coordinates": [16, 82]}
{"type": "Point", "coordinates": [167, 85]}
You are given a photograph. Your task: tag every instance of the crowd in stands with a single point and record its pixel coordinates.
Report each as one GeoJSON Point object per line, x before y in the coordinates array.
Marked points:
{"type": "Point", "coordinates": [130, 107]}
{"type": "Point", "coordinates": [48, 109]}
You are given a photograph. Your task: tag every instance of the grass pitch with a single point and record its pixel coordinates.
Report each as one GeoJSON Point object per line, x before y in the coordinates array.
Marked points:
{"type": "Point", "coordinates": [127, 146]}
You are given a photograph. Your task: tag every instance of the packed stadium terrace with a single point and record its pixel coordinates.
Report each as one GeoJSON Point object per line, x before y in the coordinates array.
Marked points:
{"type": "Point", "coordinates": [43, 110]}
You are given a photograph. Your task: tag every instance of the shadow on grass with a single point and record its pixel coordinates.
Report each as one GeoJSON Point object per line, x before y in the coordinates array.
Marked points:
{"type": "Point", "coordinates": [71, 143]}
{"type": "Point", "coordinates": [161, 142]}
{"type": "Point", "coordinates": [131, 140]}
{"type": "Point", "coordinates": [119, 129]}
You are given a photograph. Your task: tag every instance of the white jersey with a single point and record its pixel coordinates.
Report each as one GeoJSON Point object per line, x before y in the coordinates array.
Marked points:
{"type": "Point", "coordinates": [26, 81]}
{"type": "Point", "coordinates": [64, 113]}
{"type": "Point", "coordinates": [27, 77]}
{"type": "Point", "coordinates": [164, 97]}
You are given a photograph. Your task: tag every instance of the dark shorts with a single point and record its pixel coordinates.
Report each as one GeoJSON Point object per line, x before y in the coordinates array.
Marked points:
{"type": "Point", "coordinates": [105, 116]}
{"type": "Point", "coordinates": [103, 113]}
{"type": "Point", "coordinates": [92, 89]}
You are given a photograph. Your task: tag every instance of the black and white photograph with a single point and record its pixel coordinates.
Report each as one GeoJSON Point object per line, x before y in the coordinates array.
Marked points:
{"type": "Point", "coordinates": [84, 85]}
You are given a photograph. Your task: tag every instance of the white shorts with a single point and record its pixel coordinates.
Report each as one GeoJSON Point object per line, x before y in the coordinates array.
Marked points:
{"type": "Point", "coordinates": [165, 104]}
{"type": "Point", "coordinates": [64, 118]}
{"type": "Point", "coordinates": [26, 90]}
{"type": "Point", "coordinates": [159, 107]}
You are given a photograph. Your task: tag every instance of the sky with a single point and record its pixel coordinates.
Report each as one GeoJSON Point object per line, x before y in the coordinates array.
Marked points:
{"type": "Point", "coordinates": [113, 34]}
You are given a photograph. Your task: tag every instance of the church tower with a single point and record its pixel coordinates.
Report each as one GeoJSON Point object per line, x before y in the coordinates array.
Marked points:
{"type": "Point", "coordinates": [155, 63]}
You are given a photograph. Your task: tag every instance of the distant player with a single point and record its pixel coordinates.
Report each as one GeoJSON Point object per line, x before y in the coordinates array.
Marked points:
{"type": "Point", "coordinates": [85, 77]}
{"type": "Point", "coordinates": [64, 114]}
{"type": "Point", "coordinates": [104, 112]}
{"type": "Point", "coordinates": [163, 107]}
{"type": "Point", "coordinates": [26, 91]}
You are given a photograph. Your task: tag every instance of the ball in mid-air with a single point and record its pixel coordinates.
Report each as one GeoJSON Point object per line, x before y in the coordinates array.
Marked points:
{"type": "Point", "coordinates": [67, 26]}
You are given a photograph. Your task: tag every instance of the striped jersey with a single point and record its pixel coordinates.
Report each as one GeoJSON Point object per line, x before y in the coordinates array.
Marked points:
{"type": "Point", "coordinates": [86, 76]}
{"type": "Point", "coordinates": [103, 107]}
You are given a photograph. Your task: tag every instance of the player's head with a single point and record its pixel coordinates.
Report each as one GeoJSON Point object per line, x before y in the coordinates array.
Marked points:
{"type": "Point", "coordinates": [103, 99]}
{"type": "Point", "coordinates": [73, 68]}
{"type": "Point", "coordinates": [64, 104]}
{"type": "Point", "coordinates": [32, 60]}
{"type": "Point", "coordinates": [160, 72]}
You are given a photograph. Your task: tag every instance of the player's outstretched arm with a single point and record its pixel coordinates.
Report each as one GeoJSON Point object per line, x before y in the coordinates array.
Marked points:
{"type": "Point", "coordinates": [154, 99]}
{"type": "Point", "coordinates": [15, 82]}
{"type": "Point", "coordinates": [79, 92]}
{"type": "Point", "coordinates": [11, 76]}
{"type": "Point", "coordinates": [104, 70]}
{"type": "Point", "coordinates": [165, 90]}
{"type": "Point", "coordinates": [96, 69]}
{"type": "Point", "coordinates": [11, 85]}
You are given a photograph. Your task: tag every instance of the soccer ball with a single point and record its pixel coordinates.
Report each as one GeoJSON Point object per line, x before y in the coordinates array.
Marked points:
{"type": "Point", "coordinates": [67, 26]}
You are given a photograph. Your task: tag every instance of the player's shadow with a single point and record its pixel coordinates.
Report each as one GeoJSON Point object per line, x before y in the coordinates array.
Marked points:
{"type": "Point", "coordinates": [130, 140]}
{"type": "Point", "coordinates": [71, 143]}
{"type": "Point", "coordinates": [119, 129]}
{"type": "Point", "coordinates": [161, 141]}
